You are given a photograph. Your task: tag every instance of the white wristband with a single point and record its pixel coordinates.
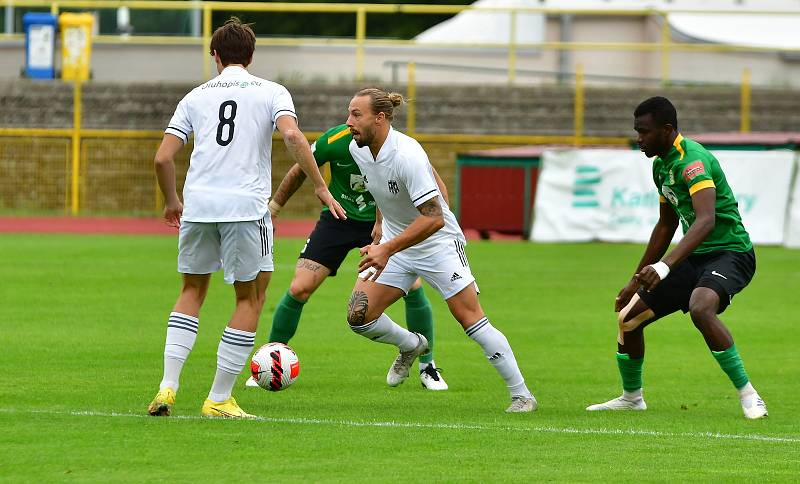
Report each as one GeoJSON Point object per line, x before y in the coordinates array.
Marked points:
{"type": "Point", "coordinates": [661, 269]}
{"type": "Point", "coordinates": [274, 208]}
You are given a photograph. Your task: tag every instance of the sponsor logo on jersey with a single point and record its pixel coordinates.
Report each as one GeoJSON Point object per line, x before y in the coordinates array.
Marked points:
{"type": "Point", "coordinates": [358, 183]}
{"type": "Point", "coordinates": [394, 188]}
{"type": "Point", "coordinates": [669, 195]}
{"type": "Point", "coordinates": [671, 177]}
{"type": "Point", "coordinates": [692, 170]}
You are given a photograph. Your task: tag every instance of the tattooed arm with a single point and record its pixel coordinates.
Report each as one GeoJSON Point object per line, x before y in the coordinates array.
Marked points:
{"type": "Point", "coordinates": [291, 182]}
{"type": "Point", "coordinates": [430, 220]}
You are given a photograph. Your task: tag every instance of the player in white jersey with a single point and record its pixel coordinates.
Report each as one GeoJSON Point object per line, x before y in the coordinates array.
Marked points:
{"type": "Point", "coordinates": [224, 219]}
{"type": "Point", "coordinates": [420, 238]}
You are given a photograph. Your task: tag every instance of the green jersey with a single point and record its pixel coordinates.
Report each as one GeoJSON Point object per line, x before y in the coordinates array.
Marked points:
{"type": "Point", "coordinates": [347, 183]}
{"type": "Point", "coordinates": [688, 168]}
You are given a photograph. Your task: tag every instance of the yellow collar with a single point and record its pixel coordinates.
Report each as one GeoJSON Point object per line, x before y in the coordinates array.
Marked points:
{"type": "Point", "coordinates": [677, 145]}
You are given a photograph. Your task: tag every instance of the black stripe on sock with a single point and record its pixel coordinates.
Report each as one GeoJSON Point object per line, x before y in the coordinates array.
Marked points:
{"type": "Point", "coordinates": [178, 319]}
{"type": "Point", "coordinates": [182, 323]}
{"type": "Point", "coordinates": [237, 344]}
{"type": "Point", "coordinates": [183, 328]}
{"type": "Point", "coordinates": [238, 337]}
{"type": "Point", "coordinates": [477, 326]}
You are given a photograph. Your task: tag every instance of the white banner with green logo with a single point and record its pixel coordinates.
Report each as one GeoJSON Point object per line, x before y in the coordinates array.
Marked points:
{"type": "Point", "coordinates": [609, 195]}
{"type": "Point", "coordinates": [793, 231]}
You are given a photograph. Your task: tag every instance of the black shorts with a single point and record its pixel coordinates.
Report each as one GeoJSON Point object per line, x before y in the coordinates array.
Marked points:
{"type": "Point", "coordinates": [725, 272]}
{"type": "Point", "coordinates": [332, 239]}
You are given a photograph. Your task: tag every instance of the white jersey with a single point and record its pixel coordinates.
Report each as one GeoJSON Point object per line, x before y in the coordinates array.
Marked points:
{"type": "Point", "coordinates": [230, 171]}
{"type": "Point", "coordinates": [401, 179]}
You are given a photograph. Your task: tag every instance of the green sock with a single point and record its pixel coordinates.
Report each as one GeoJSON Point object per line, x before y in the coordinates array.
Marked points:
{"type": "Point", "coordinates": [419, 318]}
{"type": "Point", "coordinates": [732, 365]}
{"type": "Point", "coordinates": [285, 319]}
{"type": "Point", "coordinates": [630, 369]}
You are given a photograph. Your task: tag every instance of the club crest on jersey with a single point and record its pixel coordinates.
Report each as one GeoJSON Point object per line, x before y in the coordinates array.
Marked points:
{"type": "Point", "coordinates": [358, 183]}
{"type": "Point", "coordinates": [669, 195]}
{"type": "Point", "coordinates": [393, 187]}
{"type": "Point", "coordinates": [692, 170]}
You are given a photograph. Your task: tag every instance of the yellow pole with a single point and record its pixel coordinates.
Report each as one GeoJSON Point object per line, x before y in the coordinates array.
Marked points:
{"type": "Point", "coordinates": [76, 147]}
{"type": "Point", "coordinates": [512, 49]}
{"type": "Point", "coordinates": [665, 41]}
{"type": "Point", "coordinates": [54, 9]}
{"type": "Point", "coordinates": [411, 123]}
{"type": "Point", "coordinates": [744, 117]}
{"type": "Point", "coordinates": [206, 41]}
{"type": "Point", "coordinates": [67, 163]}
{"type": "Point", "coordinates": [578, 116]}
{"type": "Point", "coordinates": [361, 33]}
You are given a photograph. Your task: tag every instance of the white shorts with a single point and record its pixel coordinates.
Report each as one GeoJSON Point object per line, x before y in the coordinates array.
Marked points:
{"type": "Point", "coordinates": [447, 270]}
{"type": "Point", "coordinates": [243, 249]}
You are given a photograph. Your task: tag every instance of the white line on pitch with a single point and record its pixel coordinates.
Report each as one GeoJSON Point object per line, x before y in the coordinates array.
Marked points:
{"type": "Point", "coordinates": [355, 423]}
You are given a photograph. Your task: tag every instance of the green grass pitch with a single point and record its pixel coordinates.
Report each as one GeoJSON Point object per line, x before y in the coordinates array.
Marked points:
{"type": "Point", "coordinates": [82, 324]}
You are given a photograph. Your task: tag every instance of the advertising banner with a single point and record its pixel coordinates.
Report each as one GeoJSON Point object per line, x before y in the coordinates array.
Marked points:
{"type": "Point", "coordinates": [609, 195]}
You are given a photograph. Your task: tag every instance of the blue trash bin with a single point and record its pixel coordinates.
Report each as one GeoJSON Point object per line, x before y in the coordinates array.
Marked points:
{"type": "Point", "coordinates": [40, 38]}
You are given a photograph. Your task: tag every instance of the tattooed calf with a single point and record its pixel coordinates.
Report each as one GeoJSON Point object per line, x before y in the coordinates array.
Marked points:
{"type": "Point", "coordinates": [357, 308]}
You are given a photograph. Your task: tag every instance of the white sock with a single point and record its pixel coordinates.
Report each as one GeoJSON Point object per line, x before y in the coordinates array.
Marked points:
{"type": "Point", "coordinates": [422, 365]}
{"type": "Point", "coordinates": [632, 396]}
{"type": "Point", "coordinates": [746, 390]}
{"type": "Point", "coordinates": [181, 333]}
{"type": "Point", "coordinates": [384, 330]}
{"type": "Point", "coordinates": [234, 348]}
{"type": "Point", "coordinates": [498, 351]}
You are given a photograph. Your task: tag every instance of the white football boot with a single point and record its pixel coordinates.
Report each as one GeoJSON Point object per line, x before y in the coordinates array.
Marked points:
{"type": "Point", "coordinates": [431, 378]}
{"type": "Point", "coordinates": [753, 406]}
{"type": "Point", "coordinates": [619, 403]}
{"type": "Point", "coordinates": [520, 404]}
{"type": "Point", "coordinates": [398, 372]}
{"type": "Point", "coordinates": [251, 383]}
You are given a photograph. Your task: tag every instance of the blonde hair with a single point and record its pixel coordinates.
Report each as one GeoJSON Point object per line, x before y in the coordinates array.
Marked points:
{"type": "Point", "coordinates": [382, 101]}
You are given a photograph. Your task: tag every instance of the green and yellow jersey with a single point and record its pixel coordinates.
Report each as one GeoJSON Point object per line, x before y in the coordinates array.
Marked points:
{"type": "Point", "coordinates": [688, 168]}
{"type": "Point", "coordinates": [347, 183]}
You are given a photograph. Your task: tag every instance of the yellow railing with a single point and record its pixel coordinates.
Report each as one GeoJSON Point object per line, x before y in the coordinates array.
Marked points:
{"type": "Point", "coordinates": [361, 11]}
{"type": "Point", "coordinates": [77, 134]}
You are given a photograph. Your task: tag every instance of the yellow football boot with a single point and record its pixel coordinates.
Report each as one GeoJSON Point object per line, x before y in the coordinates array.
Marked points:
{"type": "Point", "coordinates": [227, 409]}
{"type": "Point", "coordinates": [162, 404]}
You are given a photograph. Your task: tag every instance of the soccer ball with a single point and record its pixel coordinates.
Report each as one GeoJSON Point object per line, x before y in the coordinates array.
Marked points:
{"type": "Point", "coordinates": [274, 366]}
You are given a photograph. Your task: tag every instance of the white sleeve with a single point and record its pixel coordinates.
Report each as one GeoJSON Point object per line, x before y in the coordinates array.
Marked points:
{"type": "Point", "coordinates": [282, 104]}
{"type": "Point", "coordinates": [180, 125]}
{"type": "Point", "coordinates": [415, 171]}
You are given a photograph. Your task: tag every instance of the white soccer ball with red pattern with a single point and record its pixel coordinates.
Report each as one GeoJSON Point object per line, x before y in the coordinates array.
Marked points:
{"type": "Point", "coordinates": [275, 366]}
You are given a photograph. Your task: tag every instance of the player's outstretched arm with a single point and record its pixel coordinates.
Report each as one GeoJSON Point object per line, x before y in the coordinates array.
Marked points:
{"type": "Point", "coordinates": [657, 246]}
{"type": "Point", "coordinates": [430, 220]}
{"type": "Point", "coordinates": [165, 172]}
{"type": "Point", "coordinates": [289, 185]}
{"type": "Point", "coordinates": [298, 147]}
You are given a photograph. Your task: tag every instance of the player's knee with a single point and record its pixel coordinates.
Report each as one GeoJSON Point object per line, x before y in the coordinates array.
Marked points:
{"type": "Point", "coordinates": [629, 322]}
{"type": "Point", "coordinates": [196, 292]}
{"type": "Point", "coordinates": [300, 291]}
{"type": "Point", "coordinates": [702, 313]}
